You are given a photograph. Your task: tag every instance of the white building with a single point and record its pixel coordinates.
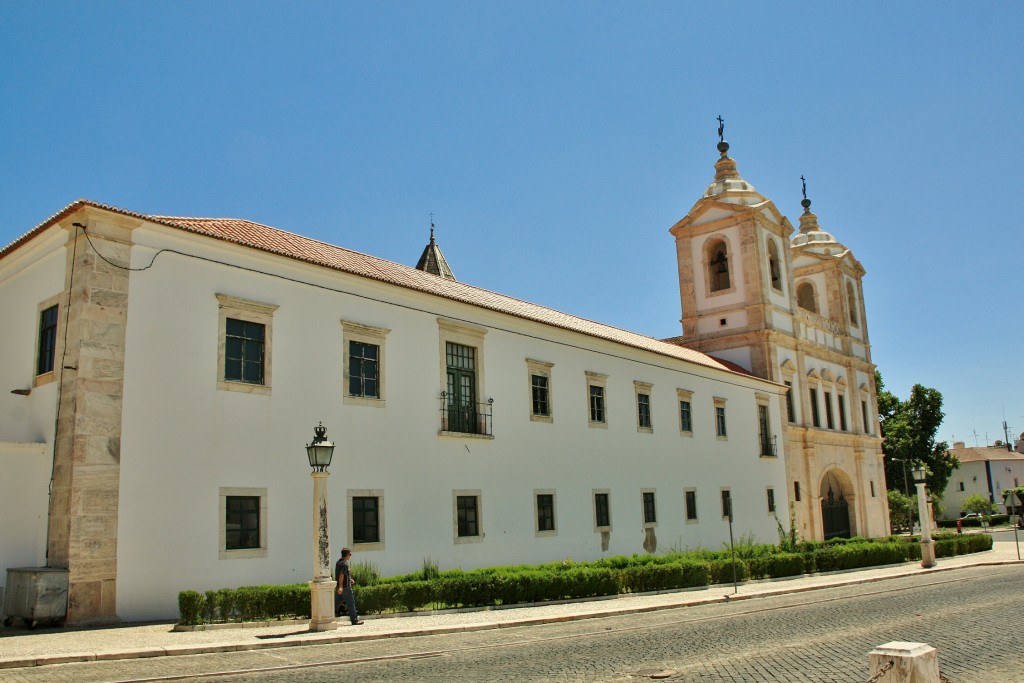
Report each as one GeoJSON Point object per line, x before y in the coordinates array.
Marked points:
{"type": "Point", "coordinates": [987, 472]}
{"type": "Point", "coordinates": [162, 375]}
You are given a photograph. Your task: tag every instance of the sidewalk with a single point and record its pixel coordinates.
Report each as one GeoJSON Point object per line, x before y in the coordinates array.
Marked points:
{"type": "Point", "coordinates": [22, 648]}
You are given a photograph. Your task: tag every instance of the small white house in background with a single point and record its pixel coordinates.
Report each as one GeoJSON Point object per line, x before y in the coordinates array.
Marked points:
{"type": "Point", "coordinates": [161, 377]}
{"type": "Point", "coordinates": [987, 471]}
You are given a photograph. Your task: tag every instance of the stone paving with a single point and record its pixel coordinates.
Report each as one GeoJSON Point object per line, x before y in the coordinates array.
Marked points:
{"type": "Point", "coordinates": [20, 648]}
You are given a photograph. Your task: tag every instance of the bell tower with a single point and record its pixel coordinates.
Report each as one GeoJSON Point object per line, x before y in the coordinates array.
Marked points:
{"type": "Point", "coordinates": [735, 272]}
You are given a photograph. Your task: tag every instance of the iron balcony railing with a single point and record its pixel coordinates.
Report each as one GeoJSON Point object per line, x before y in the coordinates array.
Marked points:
{"type": "Point", "coordinates": [767, 444]}
{"type": "Point", "coordinates": [464, 417]}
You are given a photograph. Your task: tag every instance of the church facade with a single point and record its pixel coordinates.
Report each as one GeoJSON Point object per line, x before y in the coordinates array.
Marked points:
{"type": "Point", "coordinates": [790, 308]}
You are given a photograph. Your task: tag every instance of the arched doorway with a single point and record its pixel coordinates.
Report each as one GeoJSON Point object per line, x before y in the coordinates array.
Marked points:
{"type": "Point", "coordinates": [835, 506]}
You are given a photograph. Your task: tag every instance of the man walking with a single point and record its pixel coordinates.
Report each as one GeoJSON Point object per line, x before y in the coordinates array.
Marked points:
{"type": "Point", "coordinates": [345, 583]}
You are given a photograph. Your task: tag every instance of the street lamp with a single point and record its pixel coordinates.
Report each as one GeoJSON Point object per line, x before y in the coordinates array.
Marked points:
{"type": "Point", "coordinates": [321, 588]}
{"type": "Point", "coordinates": [927, 546]}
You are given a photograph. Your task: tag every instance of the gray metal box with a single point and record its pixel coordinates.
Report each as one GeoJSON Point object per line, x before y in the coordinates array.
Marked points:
{"type": "Point", "coordinates": [36, 594]}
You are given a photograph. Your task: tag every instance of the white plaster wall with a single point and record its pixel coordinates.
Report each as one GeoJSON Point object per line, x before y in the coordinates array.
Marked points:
{"type": "Point", "coordinates": [739, 355]}
{"type": "Point", "coordinates": [28, 276]}
{"type": "Point", "coordinates": [183, 439]}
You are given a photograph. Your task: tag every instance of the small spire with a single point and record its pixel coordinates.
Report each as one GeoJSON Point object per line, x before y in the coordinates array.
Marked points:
{"type": "Point", "coordinates": [431, 228]}
{"type": "Point", "coordinates": [432, 260]}
{"type": "Point", "coordinates": [805, 202]}
{"type": "Point", "coordinates": [724, 167]}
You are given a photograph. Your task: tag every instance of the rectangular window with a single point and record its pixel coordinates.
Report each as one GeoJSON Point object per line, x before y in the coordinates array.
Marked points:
{"type": "Point", "coordinates": [467, 511]}
{"type": "Point", "coordinates": [243, 351]}
{"type": "Point", "coordinates": [691, 505]}
{"type": "Point", "coordinates": [764, 433]}
{"type": "Point", "coordinates": [461, 396]}
{"type": "Point", "coordinates": [872, 482]}
{"type": "Point", "coordinates": [771, 499]}
{"type": "Point", "coordinates": [242, 523]}
{"type": "Point", "coordinates": [864, 416]}
{"type": "Point", "coordinates": [539, 394]}
{"type": "Point", "coordinates": [961, 486]}
{"type": "Point", "coordinates": [842, 411]}
{"type": "Point", "coordinates": [363, 369]}
{"type": "Point", "coordinates": [365, 519]}
{"type": "Point", "coordinates": [720, 421]}
{"type": "Point", "coordinates": [815, 416]}
{"type": "Point", "coordinates": [829, 420]}
{"type": "Point", "coordinates": [643, 411]}
{"type": "Point", "coordinates": [790, 410]}
{"type": "Point", "coordinates": [650, 513]}
{"type": "Point", "coordinates": [796, 491]}
{"type": "Point", "coordinates": [545, 512]}
{"type": "Point", "coordinates": [726, 504]}
{"type": "Point", "coordinates": [47, 340]}
{"type": "Point", "coordinates": [602, 511]}
{"type": "Point", "coordinates": [685, 417]}
{"type": "Point", "coordinates": [596, 403]}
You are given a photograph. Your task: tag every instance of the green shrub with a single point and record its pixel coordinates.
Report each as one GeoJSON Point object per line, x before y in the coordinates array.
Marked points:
{"type": "Point", "coordinates": [430, 569]}
{"type": "Point", "coordinates": [722, 571]}
{"type": "Point", "coordinates": [227, 602]}
{"type": "Point", "coordinates": [774, 566]}
{"type": "Point", "coordinates": [366, 573]}
{"type": "Point", "coordinates": [640, 578]}
{"type": "Point", "coordinates": [190, 607]}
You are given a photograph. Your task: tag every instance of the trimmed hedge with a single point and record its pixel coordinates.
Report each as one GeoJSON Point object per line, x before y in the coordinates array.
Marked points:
{"type": "Point", "coordinates": [564, 580]}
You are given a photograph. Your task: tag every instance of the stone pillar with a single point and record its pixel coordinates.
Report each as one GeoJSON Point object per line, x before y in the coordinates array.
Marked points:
{"type": "Point", "coordinates": [910, 663]}
{"type": "Point", "coordinates": [82, 534]}
{"type": "Point", "coordinates": [322, 587]}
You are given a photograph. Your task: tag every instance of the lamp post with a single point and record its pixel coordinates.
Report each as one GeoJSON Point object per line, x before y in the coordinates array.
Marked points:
{"type": "Point", "coordinates": [927, 546]}
{"type": "Point", "coordinates": [321, 588]}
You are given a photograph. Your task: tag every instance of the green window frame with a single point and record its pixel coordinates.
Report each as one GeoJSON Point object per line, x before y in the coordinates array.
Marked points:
{"type": "Point", "coordinates": [467, 511]}
{"type": "Point", "coordinates": [244, 347]}
{"type": "Point", "coordinates": [602, 510]}
{"type": "Point", "coordinates": [47, 340]}
{"type": "Point", "coordinates": [545, 512]}
{"type": "Point", "coordinates": [720, 428]}
{"type": "Point", "coordinates": [363, 369]}
{"type": "Point", "coordinates": [691, 506]}
{"type": "Point", "coordinates": [596, 403]}
{"type": "Point", "coordinates": [539, 394]}
{"type": "Point", "coordinates": [685, 416]}
{"type": "Point", "coordinates": [643, 410]}
{"type": "Point", "coordinates": [365, 519]}
{"type": "Point", "coordinates": [650, 510]}
{"type": "Point", "coordinates": [242, 523]}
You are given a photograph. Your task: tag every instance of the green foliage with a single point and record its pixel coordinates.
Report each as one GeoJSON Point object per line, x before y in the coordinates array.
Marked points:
{"type": "Point", "coordinates": [365, 573]}
{"type": "Point", "coordinates": [788, 540]}
{"type": "Point", "coordinates": [901, 509]}
{"type": "Point", "coordinates": [909, 428]}
{"type": "Point", "coordinates": [190, 607]}
{"type": "Point", "coordinates": [567, 579]}
{"type": "Point", "coordinates": [978, 503]}
{"type": "Point", "coordinates": [431, 570]}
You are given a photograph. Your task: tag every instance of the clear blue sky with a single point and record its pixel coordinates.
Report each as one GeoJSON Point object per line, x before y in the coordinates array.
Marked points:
{"type": "Point", "coordinates": [556, 143]}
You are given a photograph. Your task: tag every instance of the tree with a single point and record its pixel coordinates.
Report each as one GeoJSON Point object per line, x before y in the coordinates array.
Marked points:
{"type": "Point", "coordinates": [908, 429]}
{"type": "Point", "coordinates": [978, 503]}
{"type": "Point", "coordinates": [901, 509]}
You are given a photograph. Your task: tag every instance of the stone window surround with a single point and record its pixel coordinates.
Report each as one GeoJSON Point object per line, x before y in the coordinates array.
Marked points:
{"type": "Point", "coordinates": [685, 395]}
{"type": "Point", "coordinates": [222, 508]}
{"type": "Point", "coordinates": [593, 499]}
{"type": "Point", "coordinates": [766, 401]}
{"type": "Point", "coordinates": [643, 388]}
{"type": "Point", "coordinates": [596, 379]}
{"type": "Point", "coordinates": [643, 510]}
{"type": "Point", "coordinates": [60, 301]}
{"type": "Point", "coordinates": [366, 334]}
{"type": "Point", "coordinates": [724, 428]}
{"type": "Point", "coordinates": [253, 312]}
{"type": "Point", "coordinates": [543, 369]}
{"type": "Point", "coordinates": [686, 507]}
{"type": "Point", "coordinates": [479, 516]}
{"type": "Point", "coordinates": [366, 493]}
{"type": "Point", "coordinates": [865, 397]}
{"type": "Point", "coordinates": [536, 513]}
{"type": "Point", "coordinates": [772, 251]}
{"type": "Point", "coordinates": [706, 248]}
{"type": "Point", "coordinates": [464, 334]}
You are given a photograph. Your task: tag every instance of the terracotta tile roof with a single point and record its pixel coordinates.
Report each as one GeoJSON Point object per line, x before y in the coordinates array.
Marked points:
{"type": "Point", "coordinates": [290, 245]}
{"type": "Point", "coordinates": [983, 454]}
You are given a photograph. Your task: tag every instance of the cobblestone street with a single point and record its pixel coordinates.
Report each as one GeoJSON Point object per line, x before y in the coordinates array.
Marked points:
{"type": "Point", "coordinates": [819, 636]}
